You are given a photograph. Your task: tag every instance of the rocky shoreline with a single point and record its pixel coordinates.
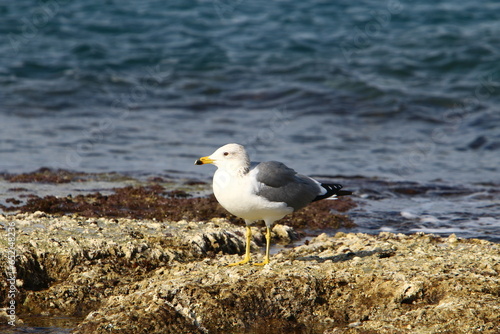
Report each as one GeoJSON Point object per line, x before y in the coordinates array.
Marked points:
{"type": "Point", "coordinates": [148, 276]}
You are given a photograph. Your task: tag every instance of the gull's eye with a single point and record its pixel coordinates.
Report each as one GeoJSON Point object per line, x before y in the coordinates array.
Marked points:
{"type": "Point", "coordinates": [226, 154]}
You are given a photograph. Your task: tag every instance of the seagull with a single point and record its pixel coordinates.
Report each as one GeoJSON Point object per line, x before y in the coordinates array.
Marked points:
{"type": "Point", "coordinates": [265, 191]}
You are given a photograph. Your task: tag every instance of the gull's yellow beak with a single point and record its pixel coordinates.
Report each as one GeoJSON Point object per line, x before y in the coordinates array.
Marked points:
{"type": "Point", "coordinates": [204, 160]}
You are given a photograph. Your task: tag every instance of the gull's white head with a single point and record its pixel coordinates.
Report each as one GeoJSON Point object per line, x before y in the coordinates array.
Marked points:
{"type": "Point", "coordinates": [229, 157]}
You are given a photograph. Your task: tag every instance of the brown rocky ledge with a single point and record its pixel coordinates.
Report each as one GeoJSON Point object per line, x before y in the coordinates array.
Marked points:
{"type": "Point", "coordinates": [144, 276]}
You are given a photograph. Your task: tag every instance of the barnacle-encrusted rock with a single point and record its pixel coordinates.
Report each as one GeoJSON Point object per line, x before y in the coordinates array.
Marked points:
{"type": "Point", "coordinates": [145, 276]}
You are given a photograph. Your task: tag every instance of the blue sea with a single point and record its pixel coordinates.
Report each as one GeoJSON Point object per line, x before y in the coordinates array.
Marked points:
{"type": "Point", "coordinates": [405, 90]}
{"type": "Point", "coordinates": [392, 91]}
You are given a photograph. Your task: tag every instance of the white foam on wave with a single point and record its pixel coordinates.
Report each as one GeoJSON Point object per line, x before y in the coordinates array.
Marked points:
{"type": "Point", "coordinates": [429, 219]}
{"type": "Point", "coordinates": [408, 215]}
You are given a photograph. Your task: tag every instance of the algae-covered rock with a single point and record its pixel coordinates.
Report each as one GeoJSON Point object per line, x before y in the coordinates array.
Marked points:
{"type": "Point", "coordinates": [144, 276]}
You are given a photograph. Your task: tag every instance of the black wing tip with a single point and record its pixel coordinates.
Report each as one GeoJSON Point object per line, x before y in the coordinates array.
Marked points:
{"type": "Point", "coordinates": [332, 189]}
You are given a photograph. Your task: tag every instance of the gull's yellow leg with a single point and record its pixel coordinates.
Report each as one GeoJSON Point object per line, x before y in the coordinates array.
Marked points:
{"type": "Point", "coordinates": [268, 245]}
{"type": "Point", "coordinates": [247, 249]}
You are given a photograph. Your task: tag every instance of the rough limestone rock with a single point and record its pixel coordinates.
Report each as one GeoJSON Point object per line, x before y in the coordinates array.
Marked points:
{"type": "Point", "coordinates": [133, 276]}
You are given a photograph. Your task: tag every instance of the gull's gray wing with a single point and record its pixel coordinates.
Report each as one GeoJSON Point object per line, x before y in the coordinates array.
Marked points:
{"type": "Point", "coordinates": [279, 183]}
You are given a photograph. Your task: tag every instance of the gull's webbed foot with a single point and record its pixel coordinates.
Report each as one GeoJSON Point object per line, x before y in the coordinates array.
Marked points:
{"type": "Point", "coordinates": [266, 261]}
{"type": "Point", "coordinates": [245, 260]}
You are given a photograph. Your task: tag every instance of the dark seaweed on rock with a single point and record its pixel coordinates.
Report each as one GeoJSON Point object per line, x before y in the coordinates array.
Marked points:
{"type": "Point", "coordinates": [59, 176]}
{"type": "Point", "coordinates": [155, 202]}
{"type": "Point", "coordinates": [319, 215]}
{"type": "Point", "coordinates": [46, 175]}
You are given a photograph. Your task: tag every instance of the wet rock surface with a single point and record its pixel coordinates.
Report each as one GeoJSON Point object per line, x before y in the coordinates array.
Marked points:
{"type": "Point", "coordinates": [149, 276]}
